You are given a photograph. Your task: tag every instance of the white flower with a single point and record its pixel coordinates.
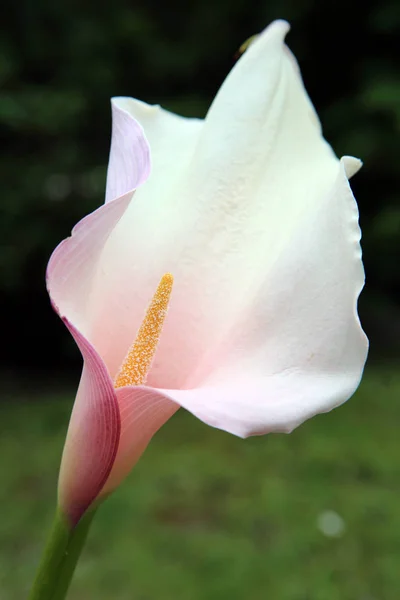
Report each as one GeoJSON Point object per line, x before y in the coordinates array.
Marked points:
{"type": "Point", "coordinates": [252, 213]}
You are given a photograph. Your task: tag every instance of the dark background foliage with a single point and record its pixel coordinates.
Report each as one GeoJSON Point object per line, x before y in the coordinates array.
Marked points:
{"type": "Point", "coordinates": [61, 62]}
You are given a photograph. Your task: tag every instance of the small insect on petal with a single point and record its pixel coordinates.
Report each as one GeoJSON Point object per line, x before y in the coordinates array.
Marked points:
{"type": "Point", "coordinates": [245, 45]}
{"type": "Point", "coordinates": [137, 363]}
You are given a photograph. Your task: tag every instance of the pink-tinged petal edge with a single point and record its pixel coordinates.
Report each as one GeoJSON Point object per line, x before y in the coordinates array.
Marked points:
{"type": "Point", "coordinates": [93, 434]}
{"type": "Point", "coordinates": [129, 165]}
{"type": "Point", "coordinates": [95, 426]}
{"type": "Point", "coordinates": [142, 415]}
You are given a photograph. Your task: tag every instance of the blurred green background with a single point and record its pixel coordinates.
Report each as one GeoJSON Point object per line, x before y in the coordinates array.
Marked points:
{"type": "Point", "coordinates": [311, 516]}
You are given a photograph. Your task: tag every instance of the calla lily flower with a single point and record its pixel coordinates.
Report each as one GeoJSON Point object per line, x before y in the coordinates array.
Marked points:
{"type": "Point", "coordinates": [252, 214]}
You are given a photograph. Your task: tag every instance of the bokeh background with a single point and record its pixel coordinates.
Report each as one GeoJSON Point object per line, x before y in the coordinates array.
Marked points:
{"type": "Point", "coordinates": [311, 516]}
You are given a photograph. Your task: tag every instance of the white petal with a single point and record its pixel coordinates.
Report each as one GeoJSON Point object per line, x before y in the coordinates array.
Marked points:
{"type": "Point", "coordinates": [300, 349]}
{"type": "Point", "coordinates": [223, 202]}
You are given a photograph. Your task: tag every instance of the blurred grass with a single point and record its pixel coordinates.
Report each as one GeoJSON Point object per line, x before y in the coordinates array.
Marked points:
{"type": "Point", "coordinates": [207, 516]}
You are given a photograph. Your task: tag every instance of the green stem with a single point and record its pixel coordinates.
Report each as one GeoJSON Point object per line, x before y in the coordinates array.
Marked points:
{"type": "Point", "coordinates": [60, 558]}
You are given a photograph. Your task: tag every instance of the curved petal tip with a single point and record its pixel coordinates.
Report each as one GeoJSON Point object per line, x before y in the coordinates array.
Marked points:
{"type": "Point", "coordinates": [351, 165]}
{"type": "Point", "coordinates": [278, 29]}
{"type": "Point", "coordinates": [129, 165]}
